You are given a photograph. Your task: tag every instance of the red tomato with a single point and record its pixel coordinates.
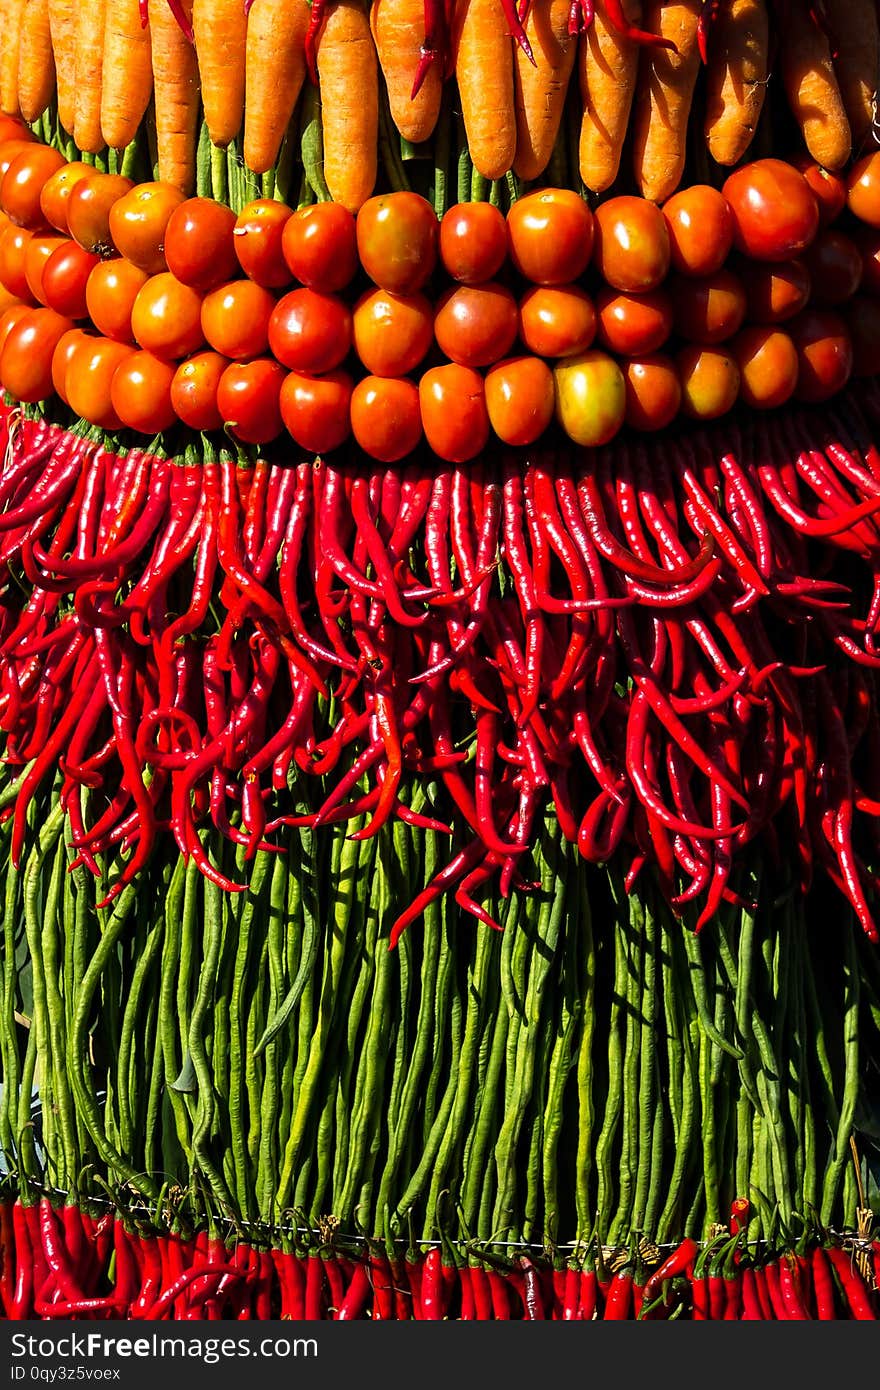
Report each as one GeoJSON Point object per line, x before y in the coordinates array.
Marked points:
{"type": "Point", "coordinates": [9, 317]}
{"type": "Point", "coordinates": [590, 397]}
{"type": "Point", "coordinates": [194, 390]}
{"type": "Point", "coordinates": [700, 226]}
{"type": "Point", "coordinates": [310, 331]}
{"type": "Point", "coordinates": [862, 318]}
{"type": "Point", "coordinates": [632, 250]}
{"type": "Point", "coordinates": [14, 242]}
{"type": "Point", "coordinates": [258, 238]}
{"type": "Point", "coordinates": [90, 371]}
{"type": "Point", "coordinates": [166, 317]}
{"type": "Point", "coordinates": [61, 359]}
{"type": "Point", "coordinates": [473, 242]}
{"type": "Point", "coordinates": [56, 191]}
{"type": "Point", "coordinates": [248, 398]}
{"type": "Point", "coordinates": [141, 393]}
{"type": "Point", "coordinates": [835, 266]}
{"type": "Point", "coordinates": [653, 391]}
{"type": "Point", "coordinates": [775, 212]}
{"type": "Point", "coordinates": [7, 300]}
{"type": "Point", "coordinates": [476, 325]}
{"type": "Point", "coordinates": [37, 252]}
{"type": "Point", "coordinates": [392, 332]}
{"type": "Point", "coordinates": [633, 323]}
{"type": "Point", "coordinates": [768, 366]}
{"type": "Point", "coordinates": [385, 417]}
{"type": "Point", "coordinates": [708, 310]}
{"type": "Point", "coordinates": [235, 318]}
{"type": "Point", "coordinates": [397, 236]}
{"type": "Point", "coordinates": [867, 239]}
{"type": "Point", "coordinates": [829, 189]}
{"type": "Point", "coordinates": [825, 354]}
{"type": "Point", "coordinates": [319, 245]}
{"type": "Point", "coordinates": [89, 205]}
{"type": "Point", "coordinates": [65, 277]}
{"type": "Point", "coordinates": [774, 292]}
{"type": "Point", "coordinates": [316, 410]}
{"type": "Point", "coordinates": [137, 223]}
{"type": "Point", "coordinates": [111, 290]}
{"type": "Point", "coordinates": [455, 419]}
{"type": "Point", "coordinates": [26, 359]}
{"type": "Point", "coordinates": [863, 189]}
{"type": "Point", "coordinates": [550, 236]}
{"type": "Point", "coordinates": [199, 245]}
{"type": "Point", "coordinates": [11, 148]}
{"type": "Point", "coordinates": [557, 320]}
{"type": "Point", "coordinates": [709, 381]}
{"type": "Point", "coordinates": [12, 128]}
{"type": "Point", "coordinates": [520, 399]}
{"type": "Point", "coordinates": [23, 182]}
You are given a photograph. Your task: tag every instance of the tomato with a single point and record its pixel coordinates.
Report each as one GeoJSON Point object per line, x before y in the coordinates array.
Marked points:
{"type": "Point", "coordinates": [65, 277]}
{"type": "Point", "coordinates": [166, 317]}
{"type": "Point", "coordinates": [768, 366]}
{"type": "Point", "coordinates": [248, 398]}
{"type": "Point", "coordinates": [867, 239]}
{"type": "Point", "coordinates": [454, 414]}
{"type": "Point", "coordinates": [319, 245]}
{"type": "Point", "coordinates": [10, 149]}
{"type": "Point", "coordinates": [138, 221]}
{"type": "Point", "coordinates": [61, 360]}
{"type": "Point", "coordinates": [590, 397]}
{"type": "Point", "coordinates": [397, 236]}
{"type": "Point", "coordinates": [862, 318]}
{"type": "Point", "coordinates": [111, 290]}
{"type": "Point", "coordinates": [829, 188]}
{"type": "Point", "coordinates": [520, 399]}
{"type": "Point", "coordinates": [700, 226]}
{"type": "Point", "coordinates": [258, 240]}
{"type": "Point", "coordinates": [476, 325]}
{"type": "Point", "coordinates": [710, 309]}
{"type": "Point", "coordinates": [825, 354]}
{"type": "Point", "coordinates": [632, 249]}
{"type": "Point", "coordinates": [835, 265]}
{"type": "Point", "coordinates": [58, 188]}
{"type": "Point", "coordinates": [7, 299]}
{"type": "Point", "coordinates": [653, 391]}
{"type": "Point", "coordinates": [9, 317]}
{"type": "Point", "coordinates": [775, 212]}
{"type": "Point", "coordinates": [12, 128]}
{"type": "Point", "coordinates": [23, 182]}
{"type": "Point", "coordinates": [316, 410]}
{"type": "Point", "coordinates": [557, 320]}
{"type": "Point", "coordinates": [473, 242]}
{"type": "Point", "coordinates": [709, 381]}
{"type": "Point", "coordinates": [26, 359]}
{"type": "Point", "coordinates": [310, 331]}
{"type": "Point", "coordinates": [89, 379]}
{"type": "Point", "coordinates": [633, 323]}
{"type": "Point", "coordinates": [199, 246]}
{"type": "Point", "coordinates": [37, 252]}
{"type": "Point", "coordinates": [863, 189]}
{"type": "Point", "coordinates": [774, 292]}
{"type": "Point", "coordinates": [14, 242]}
{"type": "Point", "coordinates": [141, 393]}
{"type": "Point", "coordinates": [235, 318]}
{"type": "Point", "coordinates": [392, 332]}
{"type": "Point", "coordinates": [89, 207]}
{"type": "Point", "coordinates": [385, 417]}
{"type": "Point", "coordinates": [194, 390]}
{"type": "Point", "coordinates": [550, 236]}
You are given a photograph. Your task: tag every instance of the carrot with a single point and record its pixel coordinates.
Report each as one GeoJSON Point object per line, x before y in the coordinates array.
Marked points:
{"type": "Point", "coordinates": [539, 91]}
{"type": "Point", "coordinates": [348, 75]}
{"type": "Point", "coordinates": [398, 28]}
{"type": "Point", "coordinates": [89, 54]}
{"type": "Point", "coordinates": [127, 73]}
{"type": "Point", "coordinates": [220, 28]}
{"type": "Point", "coordinates": [607, 69]}
{"type": "Point", "coordinates": [665, 92]}
{"type": "Point", "coordinates": [275, 69]}
{"type": "Point", "coordinates": [10, 33]}
{"type": "Point", "coordinates": [36, 62]}
{"type": "Point", "coordinates": [176, 96]}
{"type": "Point", "coordinates": [736, 78]}
{"type": "Point", "coordinates": [62, 28]}
{"type": "Point", "coordinates": [483, 56]}
{"type": "Point", "coordinates": [811, 88]}
{"type": "Point", "coordinates": [856, 57]}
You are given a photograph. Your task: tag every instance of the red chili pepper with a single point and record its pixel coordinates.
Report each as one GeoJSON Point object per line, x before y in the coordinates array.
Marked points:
{"type": "Point", "coordinates": [618, 1304]}
{"type": "Point", "coordinates": [354, 1303]}
{"type": "Point", "coordinates": [823, 1285]}
{"type": "Point", "coordinates": [432, 1286]}
{"type": "Point", "coordinates": [854, 1288]}
{"type": "Point", "coordinates": [482, 1292]}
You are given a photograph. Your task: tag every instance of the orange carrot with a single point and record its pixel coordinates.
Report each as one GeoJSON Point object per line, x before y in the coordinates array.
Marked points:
{"type": "Point", "coordinates": [10, 33]}
{"type": "Point", "coordinates": [90, 15]}
{"type": "Point", "coordinates": [36, 62]}
{"type": "Point", "coordinates": [220, 27]}
{"type": "Point", "coordinates": [275, 69]}
{"type": "Point", "coordinates": [811, 88]}
{"type": "Point", "coordinates": [854, 26]}
{"type": "Point", "coordinates": [398, 28]}
{"type": "Point", "coordinates": [348, 75]}
{"type": "Point", "coordinates": [663, 101]}
{"type": "Point", "coordinates": [176, 96]}
{"type": "Point", "coordinates": [736, 78]}
{"type": "Point", "coordinates": [62, 28]}
{"type": "Point", "coordinates": [607, 68]}
{"type": "Point", "coordinates": [539, 91]}
{"type": "Point", "coordinates": [483, 54]}
{"type": "Point", "coordinates": [127, 76]}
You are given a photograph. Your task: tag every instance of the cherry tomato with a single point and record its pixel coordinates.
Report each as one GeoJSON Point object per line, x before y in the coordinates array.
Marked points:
{"type": "Point", "coordinates": [825, 354]}
{"type": "Point", "coordinates": [455, 419]}
{"type": "Point", "coordinates": [385, 417]}
{"type": "Point", "coordinates": [199, 245]}
{"type": "Point", "coordinates": [590, 397]}
{"type": "Point", "coordinates": [37, 252]}
{"type": "Point", "coordinates": [89, 205]}
{"type": "Point", "coordinates": [23, 182]}
{"type": "Point", "coordinates": [58, 188]}
{"type": "Point", "coordinates": [111, 290]}
{"type": "Point", "coordinates": [775, 212]}
{"type": "Point", "coordinates": [700, 226]}
{"type": "Point", "coordinates": [61, 360]}
{"type": "Point", "coordinates": [709, 381]}
{"type": "Point", "coordinates": [520, 399]}
{"type": "Point", "coordinates": [653, 391]}
{"type": "Point", "coordinates": [235, 318]}
{"type": "Point", "coordinates": [633, 323]}
{"type": "Point", "coordinates": [867, 239]}
{"type": "Point", "coordinates": [26, 359]}
{"type": "Point", "coordinates": [141, 393]}
{"type": "Point", "coordinates": [166, 317]}
{"type": "Point", "coordinates": [550, 236]}
{"type": "Point", "coordinates": [392, 332]}
{"type": "Point", "coordinates": [557, 320]}
{"type": "Point", "coordinates": [863, 189]}
{"type": "Point", "coordinates": [631, 250]}
{"type": "Point", "coordinates": [768, 366]}
{"type": "Point", "coordinates": [835, 266]}
{"type": "Point", "coordinates": [10, 149]}
{"type": "Point", "coordinates": [138, 221]}
{"type": "Point", "coordinates": [319, 245]}
{"type": "Point", "coordinates": [476, 325]}
{"type": "Point", "coordinates": [10, 317]}
{"type": "Point", "coordinates": [829, 188]}
{"type": "Point", "coordinates": [89, 378]}
{"type": "Point", "coordinates": [248, 397]}
{"type": "Point", "coordinates": [862, 318]}
{"type": "Point", "coordinates": [13, 128]}
{"type": "Point", "coordinates": [7, 299]}
{"type": "Point", "coordinates": [258, 239]}
{"type": "Point", "coordinates": [774, 291]}
{"type": "Point", "coordinates": [710, 309]}
{"type": "Point", "coordinates": [14, 242]}
{"type": "Point", "coordinates": [316, 410]}
{"type": "Point", "coordinates": [194, 390]}
{"type": "Point", "coordinates": [310, 331]}
{"type": "Point", "coordinates": [473, 242]}
{"type": "Point", "coordinates": [397, 236]}
{"type": "Point", "coordinates": [65, 278]}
